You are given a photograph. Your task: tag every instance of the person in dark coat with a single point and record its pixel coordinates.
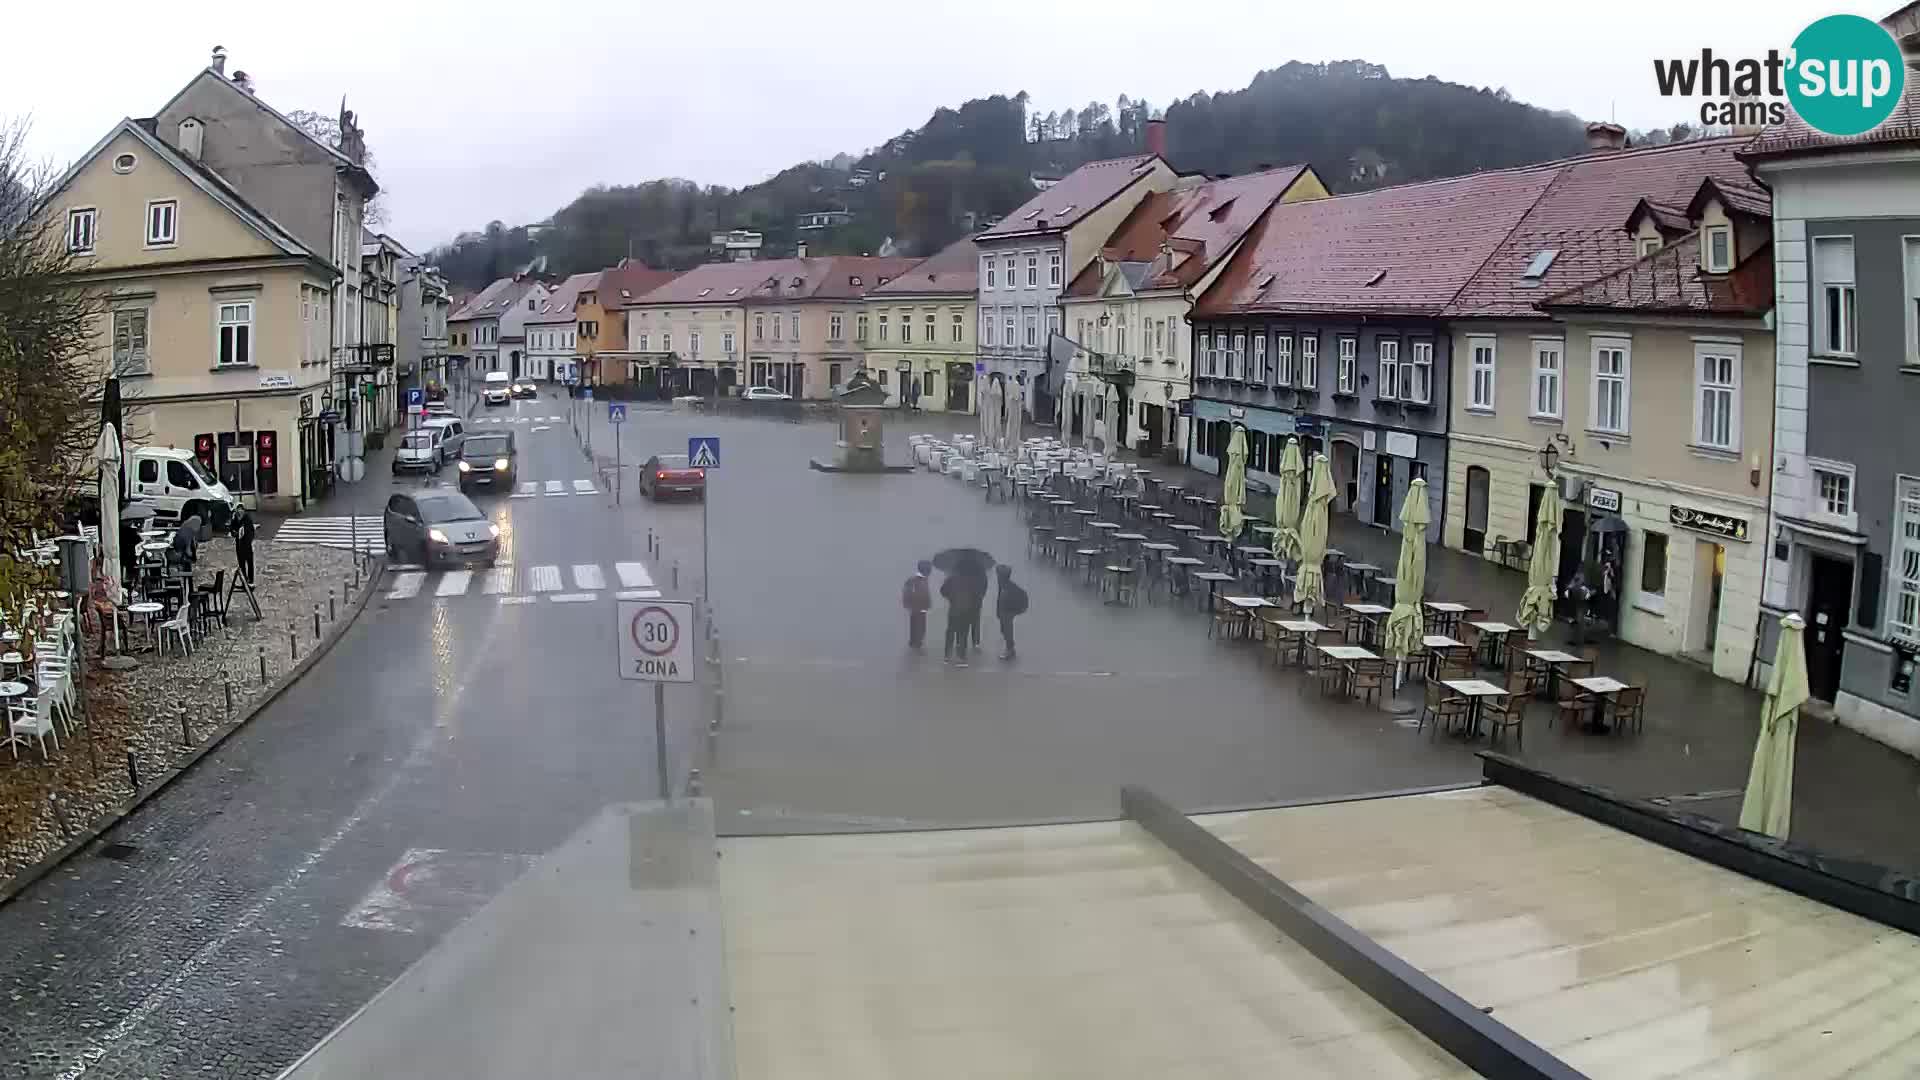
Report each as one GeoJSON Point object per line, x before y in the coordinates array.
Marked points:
{"type": "Point", "coordinates": [965, 592]}
{"type": "Point", "coordinates": [186, 543]}
{"type": "Point", "coordinates": [243, 533]}
{"type": "Point", "coordinates": [129, 552]}
{"type": "Point", "coordinates": [1009, 602]}
{"type": "Point", "coordinates": [916, 595]}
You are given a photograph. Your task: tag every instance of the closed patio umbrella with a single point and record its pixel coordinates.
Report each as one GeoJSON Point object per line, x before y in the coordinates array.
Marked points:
{"type": "Point", "coordinates": [1536, 604]}
{"type": "Point", "coordinates": [987, 392]}
{"type": "Point", "coordinates": [1016, 405]}
{"type": "Point", "coordinates": [1310, 587]}
{"type": "Point", "coordinates": [1405, 626]}
{"type": "Point", "coordinates": [1233, 495]}
{"type": "Point", "coordinates": [107, 453]}
{"type": "Point", "coordinates": [1286, 503]}
{"type": "Point", "coordinates": [1768, 806]}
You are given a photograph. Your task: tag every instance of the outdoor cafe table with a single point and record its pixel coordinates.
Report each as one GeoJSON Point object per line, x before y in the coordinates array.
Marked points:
{"type": "Point", "coordinates": [1106, 526]}
{"type": "Point", "coordinates": [1554, 660]}
{"type": "Point", "coordinates": [1110, 584]}
{"type": "Point", "coordinates": [1370, 615]}
{"type": "Point", "coordinates": [146, 609]}
{"type": "Point", "coordinates": [1212, 541]}
{"type": "Point", "coordinates": [1433, 643]}
{"type": "Point", "coordinates": [1303, 629]}
{"type": "Point", "coordinates": [1270, 570]}
{"type": "Point", "coordinates": [1345, 653]}
{"type": "Point", "coordinates": [1245, 606]}
{"type": "Point", "coordinates": [1601, 688]}
{"type": "Point", "coordinates": [1447, 613]}
{"type": "Point", "coordinates": [1214, 580]}
{"type": "Point", "coordinates": [1475, 691]}
{"type": "Point", "coordinates": [1383, 587]}
{"type": "Point", "coordinates": [1494, 634]}
{"type": "Point", "coordinates": [1182, 565]}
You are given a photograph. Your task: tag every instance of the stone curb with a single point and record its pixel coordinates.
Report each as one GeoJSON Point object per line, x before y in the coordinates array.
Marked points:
{"type": "Point", "coordinates": [11, 888]}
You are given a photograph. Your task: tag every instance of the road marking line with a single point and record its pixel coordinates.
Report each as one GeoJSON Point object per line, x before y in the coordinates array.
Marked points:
{"type": "Point", "coordinates": [553, 419]}
{"type": "Point", "coordinates": [541, 427]}
{"type": "Point", "coordinates": [397, 567]}
{"type": "Point", "coordinates": [585, 487]}
{"type": "Point", "coordinates": [555, 487]}
{"type": "Point", "coordinates": [587, 576]}
{"type": "Point", "coordinates": [572, 597]}
{"type": "Point", "coordinates": [638, 594]}
{"type": "Point", "coordinates": [545, 579]}
{"type": "Point", "coordinates": [454, 583]}
{"type": "Point", "coordinates": [499, 580]}
{"type": "Point", "coordinates": [516, 599]}
{"type": "Point", "coordinates": [633, 575]}
{"type": "Point", "coordinates": [527, 490]}
{"type": "Point", "coordinates": [406, 585]}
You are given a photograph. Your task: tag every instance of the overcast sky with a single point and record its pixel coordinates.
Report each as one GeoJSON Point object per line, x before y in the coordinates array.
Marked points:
{"type": "Point", "coordinates": [482, 110]}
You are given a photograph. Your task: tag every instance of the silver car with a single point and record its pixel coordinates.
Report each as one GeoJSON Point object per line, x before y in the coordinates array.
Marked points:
{"type": "Point", "coordinates": [434, 527]}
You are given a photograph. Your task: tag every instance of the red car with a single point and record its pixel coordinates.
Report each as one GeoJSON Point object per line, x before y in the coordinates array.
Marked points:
{"type": "Point", "coordinates": [669, 474]}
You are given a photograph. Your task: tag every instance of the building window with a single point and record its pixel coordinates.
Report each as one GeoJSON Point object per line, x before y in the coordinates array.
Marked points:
{"type": "Point", "coordinates": [1653, 564]}
{"type": "Point", "coordinates": [1033, 329]}
{"type": "Point", "coordinates": [1648, 245]}
{"type": "Point", "coordinates": [906, 328]}
{"type": "Point", "coordinates": [1546, 378]}
{"type": "Point", "coordinates": [1210, 366]}
{"type": "Point", "coordinates": [883, 327]}
{"type": "Point", "coordinates": [932, 327]}
{"type": "Point", "coordinates": [1913, 299]}
{"type": "Point", "coordinates": [693, 342]}
{"type": "Point", "coordinates": [236, 334]}
{"type": "Point", "coordinates": [1053, 323]}
{"type": "Point", "coordinates": [986, 328]}
{"type": "Point", "coordinates": [130, 342]}
{"type": "Point", "coordinates": [793, 326]}
{"type": "Point", "coordinates": [1259, 358]}
{"type": "Point", "coordinates": [1283, 372]}
{"type": "Point", "coordinates": [759, 328]}
{"type": "Point", "coordinates": [776, 327]}
{"type": "Point", "coordinates": [1120, 339]}
{"type": "Point", "coordinates": [959, 327]}
{"type": "Point", "coordinates": [1007, 325]}
{"type": "Point", "coordinates": [1033, 270]}
{"type": "Point", "coordinates": [836, 326]}
{"type": "Point", "coordinates": [1346, 375]}
{"type": "Point", "coordinates": [161, 215]}
{"type": "Point", "coordinates": [1160, 336]}
{"type": "Point", "coordinates": [1389, 369]}
{"type": "Point", "coordinates": [859, 328]}
{"type": "Point", "coordinates": [726, 342]}
{"type": "Point", "coordinates": [992, 274]}
{"type": "Point", "coordinates": [1310, 361]}
{"type": "Point", "coordinates": [1012, 275]}
{"type": "Point", "coordinates": [1419, 374]}
{"type": "Point", "coordinates": [1237, 359]}
{"type": "Point", "coordinates": [80, 231]}
{"type": "Point", "coordinates": [1612, 371]}
{"type": "Point", "coordinates": [640, 343]}
{"type": "Point", "coordinates": [666, 341]}
{"type": "Point", "coordinates": [883, 376]}
{"type": "Point", "coordinates": [1053, 269]}
{"type": "Point", "coordinates": [1717, 391]}
{"type": "Point", "coordinates": [1903, 619]}
{"type": "Point", "coordinates": [1833, 492]}
{"type": "Point", "coordinates": [1833, 277]}
{"type": "Point", "coordinates": [1480, 373]}
{"type": "Point", "coordinates": [1719, 249]}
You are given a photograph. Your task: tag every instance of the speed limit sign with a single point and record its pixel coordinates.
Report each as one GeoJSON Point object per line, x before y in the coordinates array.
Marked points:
{"type": "Point", "coordinates": [656, 640]}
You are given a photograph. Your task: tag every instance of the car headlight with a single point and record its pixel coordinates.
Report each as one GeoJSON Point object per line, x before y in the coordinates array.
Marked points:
{"type": "Point", "coordinates": [464, 467]}
{"type": "Point", "coordinates": [499, 464]}
{"type": "Point", "coordinates": [436, 536]}
{"type": "Point", "coordinates": [493, 530]}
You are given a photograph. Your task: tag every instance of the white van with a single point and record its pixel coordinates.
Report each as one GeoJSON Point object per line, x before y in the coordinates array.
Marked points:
{"type": "Point", "coordinates": [499, 388]}
{"type": "Point", "coordinates": [453, 432]}
{"type": "Point", "coordinates": [420, 449]}
{"type": "Point", "coordinates": [178, 486]}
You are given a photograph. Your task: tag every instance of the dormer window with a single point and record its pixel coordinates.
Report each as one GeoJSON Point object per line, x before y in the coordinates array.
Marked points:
{"type": "Point", "coordinates": [796, 283]}
{"type": "Point", "coordinates": [1065, 210]}
{"type": "Point", "coordinates": [1716, 249]}
{"type": "Point", "coordinates": [1537, 269]}
{"type": "Point", "coordinates": [1377, 278]}
{"type": "Point", "coordinates": [853, 279]}
{"type": "Point", "coordinates": [1220, 211]}
{"type": "Point", "coordinates": [735, 291]}
{"type": "Point", "coordinates": [1647, 246]}
{"type": "Point", "coordinates": [1031, 214]}
{"type": "Point", "coordinates": [703, 292]}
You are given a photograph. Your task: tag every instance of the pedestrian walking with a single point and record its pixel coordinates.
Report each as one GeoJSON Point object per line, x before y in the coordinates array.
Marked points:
{"type": "Point", "coordinates": [1009, 602]}
{"type": "Point", "coordinates": [243, 533]}
{"type": "Point", "coordinates": [964, 593]}
{"type": "Point", "coordinates": [916, 595]}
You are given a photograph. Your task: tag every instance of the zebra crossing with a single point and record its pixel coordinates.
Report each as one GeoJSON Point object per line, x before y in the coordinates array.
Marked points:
{"type": "Point", "coordinates": [334, 532]}
{"type": "Point", "coordinates": [576, 583]}
{"type": "Point", "coordinates": [518, 419]}
{"type": "Point", "coordinates": [534, 489]}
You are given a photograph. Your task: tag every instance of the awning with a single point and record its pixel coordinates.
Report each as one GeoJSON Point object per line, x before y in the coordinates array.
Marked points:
{"type": "Point", "coordinates": [1823, 532]}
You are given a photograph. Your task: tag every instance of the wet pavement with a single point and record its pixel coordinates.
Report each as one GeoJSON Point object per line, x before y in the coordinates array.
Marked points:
{"type": "Point", "coordinates": [459, 729]}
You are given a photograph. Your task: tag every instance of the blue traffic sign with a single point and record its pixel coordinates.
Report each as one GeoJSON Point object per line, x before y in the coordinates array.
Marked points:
{"type": "Point", "coordinates": [703, 451]}
{"type": "Point", "coordinates": [416, 396]}
{"type": "Point", "coordinates": [616, 412]}
{"type": "Point", "coordinates": [587, 392]}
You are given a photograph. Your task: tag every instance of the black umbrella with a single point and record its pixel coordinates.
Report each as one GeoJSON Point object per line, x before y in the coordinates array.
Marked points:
{"type": "Point", "coordinates": [1610, 524]}
{"type": "Point", "coordinates": [964, 561]}
{"type": "Point", "coordinates": [136, 512]}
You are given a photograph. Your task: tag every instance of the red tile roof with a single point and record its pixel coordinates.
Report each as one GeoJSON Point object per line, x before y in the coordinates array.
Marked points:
{"type": "Point", "coordinates": [953, 269]}
{"type": "Point", "coordinates": [1795, 136]}
{"type": "Point", "coordinates": [629, 281]}
{"type": "Point", "coordinates": [1398, 250]}
{"type": "Point", "coordinates": [1200, 223]}
{"type": "Point", "coordinates": [1580, 216]}
{"type": "Point", "coordinates": [831, 277]}
{"type": "Point", "coordinates": [1669, 281]}
{"type": "Point", "coordinates": [559, 305]}
{"type": "Point", "coordinates": [1078, 194]}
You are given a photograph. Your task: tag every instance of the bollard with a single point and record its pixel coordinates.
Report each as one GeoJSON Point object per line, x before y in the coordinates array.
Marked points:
{"type": "Point", "coordinates": [226, 683]}
{"type": "Point", "coordinates": [186, 731]}
{"type": "Point", "coordinates": [316, 620]}
{"type": "Point", "coordinates": [293, 643]}
{"type": "Point", "coordinates": [261, 650]}
{"type": "Point", "coordinates": [60, 817]}
{"type": "Point", "coordinates": [719, 707]}
{"type": "Point", "coordinates": [676, 575]}
{"type": "Point", "coordinates": [332, 614]}
{"type": "Point", "coordinates": [649, 541]}
{"type": "Point", "coordinates": [133, 772]}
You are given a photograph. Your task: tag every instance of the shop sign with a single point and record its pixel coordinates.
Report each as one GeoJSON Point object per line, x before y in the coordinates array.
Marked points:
{"type": "Point", "coordinates": [306, 406]}
{"type": "Point", "coordinates": [276, 380]}
{"type": "Point", "coordinates": [1184, 407]}
{"type": "Point", "coordinates": [1369, 439]}
{"type": "Point", "coordinates": [1403, 444]}
{"type": "Point", "coordinates": [1606, 499]}
{"type": "Point", "coordinates": [1236, 412]}
{"type": "Point", "coordinates": [1706, 521]}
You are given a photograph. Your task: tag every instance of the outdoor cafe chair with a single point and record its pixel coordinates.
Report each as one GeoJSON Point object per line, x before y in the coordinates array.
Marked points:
{"type": "Point", "coordinates": [1331, 674]}
{"type": "Point", "coordinates": [36, 722]}
{"type": "Point", "coordinates": [1367, 678]}
{"type": "Point", "coordinates": [1630, 707]}
{"type": "Point", "coordinates": [1442, 708]}
{"type": "Point", "coordinates": [1571, 704]}
{"type": "Point", "coordinates": [176, 629]}
{"type": "Point", "coordinates": [1505, 711]}
{"type": "Point", "coordinates": [1039, 540]}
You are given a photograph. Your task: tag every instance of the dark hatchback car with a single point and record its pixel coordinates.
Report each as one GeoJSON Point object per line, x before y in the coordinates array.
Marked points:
{"type": "Point", "coordinates": [489, 461]}
{"type": "Point", "coordinates": [437, 526]}
{"type": "Point", "coordinates": [669, 474]}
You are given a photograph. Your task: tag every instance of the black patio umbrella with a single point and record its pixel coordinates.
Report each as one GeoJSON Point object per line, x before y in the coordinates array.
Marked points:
{"type": "Point", "coordinates": [964, 561]}
{"type": "Point", "coordinates": [1610, 524]}
{"type": "Point", "coordinates": [136, 512]}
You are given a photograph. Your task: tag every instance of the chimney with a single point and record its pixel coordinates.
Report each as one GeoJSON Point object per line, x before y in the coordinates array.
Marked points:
{"type": "Point", "coordinates": [244, 81]}
{"type": "Point", "coordinates": [1157, 137]}
{"type": "Point", "coordinates": [219, 64]}
{"type": "Point", "coordinates": [1603, 136]}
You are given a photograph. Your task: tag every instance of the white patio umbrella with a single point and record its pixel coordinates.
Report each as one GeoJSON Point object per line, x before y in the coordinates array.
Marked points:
{"type": "Point", "coordinates": [1110, 427]}
{"type": "Point", "coordinates": [984, 406]}
{"type": "Point", "coordinates": [107, 455]}
{"type": "Point", "coordinates": [1016, 405]}
{"type": "Point", "coordinates": [1768, 805]}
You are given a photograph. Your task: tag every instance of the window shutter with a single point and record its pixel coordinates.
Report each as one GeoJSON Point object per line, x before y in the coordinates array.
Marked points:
{"type": "Point", "coordinates": [1866, 614]}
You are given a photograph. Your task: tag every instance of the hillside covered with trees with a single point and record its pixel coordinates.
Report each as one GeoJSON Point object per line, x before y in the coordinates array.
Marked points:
{"type": "Point", "coordinates": [921, 189]}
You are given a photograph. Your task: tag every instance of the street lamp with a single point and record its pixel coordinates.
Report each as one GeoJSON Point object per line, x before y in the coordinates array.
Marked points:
{"type": "Point", "coordinates": [1549, 457]}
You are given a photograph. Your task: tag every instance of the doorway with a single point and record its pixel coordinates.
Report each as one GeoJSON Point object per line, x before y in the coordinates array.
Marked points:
{"type": "Point", "coordinates": [1703, 620]}
{"type": "Point", "coordinates": [1151, 425]}
{"type": "Point", "coordinates": [959, 387]}
{"type": "Point", "coordinates": [1829, 605]}
{"type": "Point", "coordinates": [1383, 490]}
{"type": "Point", "coordinates": [1346, 472]}
{"type": "Point", "coordinates": [1479, 481]}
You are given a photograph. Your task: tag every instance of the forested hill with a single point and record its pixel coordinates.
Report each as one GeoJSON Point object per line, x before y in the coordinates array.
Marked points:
{"type": "Point", "coordinates": [921, 189]}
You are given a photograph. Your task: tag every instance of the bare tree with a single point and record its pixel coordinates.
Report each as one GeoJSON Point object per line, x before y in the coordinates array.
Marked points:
{"type": "Point", "coordinates": [327, 130]}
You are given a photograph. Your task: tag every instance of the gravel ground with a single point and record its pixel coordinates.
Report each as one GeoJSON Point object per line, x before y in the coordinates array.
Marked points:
{"type": "Point", "coordinates": [140, 710]}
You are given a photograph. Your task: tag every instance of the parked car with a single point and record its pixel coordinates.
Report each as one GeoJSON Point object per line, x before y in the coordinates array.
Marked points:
{"type": "Point", "coordinates": [440, 526]}
{"type": "Point", "coordinates": [525, 388]}
{"type": "Point", "coordinates": [453, 432]}
{"type": "Point", "coordinates": [765, 393]}
{"type": "Point", "coordinates": [498, 389]}
{"type": "Point", "coordinates": [419, 450]}
{"type": "Point", "coordinates": [179, 485]}
{"type": "Point", "coordinates": [669, 474]}
{"type": "Point", "coordinates": [490, 460]}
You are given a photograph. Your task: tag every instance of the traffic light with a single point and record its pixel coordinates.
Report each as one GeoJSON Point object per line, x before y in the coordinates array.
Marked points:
{"type": "Point", "coordinates": [266, 462]}
{"type": "Point", "coordinates": [203, 449]}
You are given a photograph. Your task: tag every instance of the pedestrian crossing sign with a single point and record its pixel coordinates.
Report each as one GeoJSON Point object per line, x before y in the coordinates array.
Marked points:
{"type": "Point", "coordinates": [703, 451]}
